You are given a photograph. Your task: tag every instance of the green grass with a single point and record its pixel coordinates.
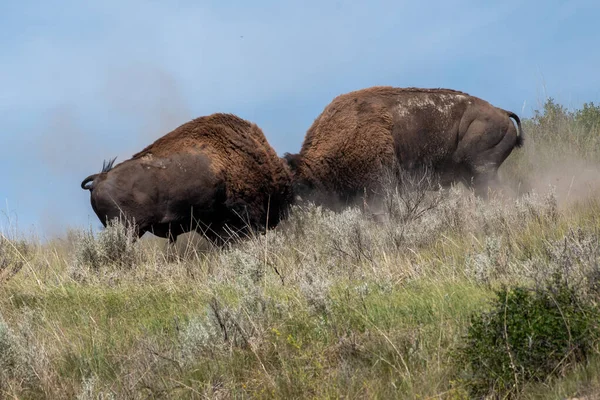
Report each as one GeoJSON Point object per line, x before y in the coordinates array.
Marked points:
{"type": "Point", "coordinates": [377, 331]}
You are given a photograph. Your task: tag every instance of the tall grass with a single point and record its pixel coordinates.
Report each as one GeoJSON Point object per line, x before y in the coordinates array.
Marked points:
{"type": "Point", "coordinates": [327, 305]}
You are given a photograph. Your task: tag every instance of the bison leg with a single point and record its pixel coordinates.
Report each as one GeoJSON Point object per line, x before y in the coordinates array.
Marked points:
{"type": "Point", "coordinates": [488, 142]}
{"type": "Point", "coordinates": [484, 183]}
{"type": "Point", "coordinates": [139, 233]}
{"type": "Point", "coordinates": [172, 237]}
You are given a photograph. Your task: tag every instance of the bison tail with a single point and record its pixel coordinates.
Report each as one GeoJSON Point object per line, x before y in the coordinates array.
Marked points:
{"type": "Point", "coordinates": [85, 184]}
{"type": "Point", "coordinates": [520, 137]}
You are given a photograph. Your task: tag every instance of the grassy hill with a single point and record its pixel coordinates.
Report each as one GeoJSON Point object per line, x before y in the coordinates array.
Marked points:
{"type": "Point", "coordinates": [449, 297]}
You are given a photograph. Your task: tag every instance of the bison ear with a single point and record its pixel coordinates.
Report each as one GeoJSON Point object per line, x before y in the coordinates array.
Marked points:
{"type": "Point", "coordinates": [292, 160]}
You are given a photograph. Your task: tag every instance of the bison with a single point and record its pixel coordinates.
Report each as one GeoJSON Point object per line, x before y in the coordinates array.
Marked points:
{"type": "Point", "coordinates": [216, 174]}
{"type": "Point", "coordinates": [359, 134]}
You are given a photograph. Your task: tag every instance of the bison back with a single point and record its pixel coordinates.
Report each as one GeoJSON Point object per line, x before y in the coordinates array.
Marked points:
{"type": "Point", "coordinates": [346, 147]}
{"type": "Point", "coordinates": [257, 183]}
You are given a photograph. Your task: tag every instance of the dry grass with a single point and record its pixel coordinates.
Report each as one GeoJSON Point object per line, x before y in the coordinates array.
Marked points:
{"type": "Point", "coordinates": [326, 305]}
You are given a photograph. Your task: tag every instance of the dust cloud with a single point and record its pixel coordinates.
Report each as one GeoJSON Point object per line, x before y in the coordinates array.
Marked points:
{"type": "Point", "coordinates": [133, 107]}
{"type": "Point", "coordinates": [64, 143]}
{"type": "Point", "coordinates": [151, 97]}
{"type": "Point", "coordinates": [573, 179]}
{"type": "Point", "coordinates": [541, 167]}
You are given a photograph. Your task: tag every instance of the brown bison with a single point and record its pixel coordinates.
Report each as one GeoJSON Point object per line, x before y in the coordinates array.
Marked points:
{"type": "Point", "coordinates": [215, 174]}
{"type": "Point", "coordinates": [457, 136]}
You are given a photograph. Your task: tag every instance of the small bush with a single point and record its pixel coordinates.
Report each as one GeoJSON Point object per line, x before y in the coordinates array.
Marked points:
{"type": "Point", "coordinates": [528, 336]}
{"type": "Point", "coordinates": [410, 195]}
{"type": "Point", "coordinates": [10, 355]}
{"type": "Point", "coordinates": [13, 255]}
{"type": "Point", "coordinates": [18, 360]}
{"type": "Point", "coordinates": [113, 246]}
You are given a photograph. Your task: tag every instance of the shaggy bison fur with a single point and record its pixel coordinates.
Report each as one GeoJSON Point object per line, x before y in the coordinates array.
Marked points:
{"type": "Point", "coordinates": [359, 134]}
{"type": "Point", "coordinates": [215, 174]}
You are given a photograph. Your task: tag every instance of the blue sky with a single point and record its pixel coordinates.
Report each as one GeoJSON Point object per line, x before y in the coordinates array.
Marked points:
{"type": "Point", "coordinates": [83, 82]}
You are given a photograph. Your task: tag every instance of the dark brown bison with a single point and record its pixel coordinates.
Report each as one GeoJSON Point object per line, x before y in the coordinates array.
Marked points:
{"type": "Point", "coordinates": [457, 136]}
{"type": "Point", "coordinates": [215, 174]}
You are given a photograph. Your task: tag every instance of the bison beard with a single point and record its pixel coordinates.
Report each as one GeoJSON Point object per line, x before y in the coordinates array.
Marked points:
{"type": "Point", "coordinates": [362, 133]}
{"type": "Point", "coordinates": [216, 174]}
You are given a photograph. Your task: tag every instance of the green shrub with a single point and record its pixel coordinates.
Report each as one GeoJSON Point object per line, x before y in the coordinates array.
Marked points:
{"type": "Point", "coordinates": [555, 129]}
{"type": "Point", "coordinates": [588, 117]}
{"type": "Point", "coordinates": [528, 336]}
